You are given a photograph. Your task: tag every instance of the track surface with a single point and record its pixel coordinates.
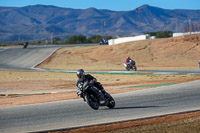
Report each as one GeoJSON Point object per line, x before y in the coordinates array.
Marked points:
{"type": "Point", "coordinates": [75, 113]}
{"type": "Point", "coordinates": [28, 58]}
{"type": "Point", "coordinates": [23, 59]}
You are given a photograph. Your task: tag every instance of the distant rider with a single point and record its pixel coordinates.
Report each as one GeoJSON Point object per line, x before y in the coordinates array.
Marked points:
{"type": "Point", "coordinates": [129, 60]}
{"type": "Point", "coordinates": [91, 80]}
{"type": "Point", "coordinates": [25, 44]}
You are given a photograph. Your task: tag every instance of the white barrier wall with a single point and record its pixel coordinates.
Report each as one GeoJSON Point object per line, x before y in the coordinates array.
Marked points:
{"type": "Point", "coordinates": [128, 39]}
{"type": "Point", "coordinates": [182, 34]}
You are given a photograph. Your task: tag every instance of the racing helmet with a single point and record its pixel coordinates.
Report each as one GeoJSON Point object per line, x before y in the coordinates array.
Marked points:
{"type": "Point", "coordinates": [80, 73]}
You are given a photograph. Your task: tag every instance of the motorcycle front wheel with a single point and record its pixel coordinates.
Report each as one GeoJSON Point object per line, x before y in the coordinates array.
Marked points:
{"type": "Point", "coordinates": [127, 68]}
{"type": "Point", "coordinates": [92, 102]}
{"type": "Point", "coordinates": [111, 103]}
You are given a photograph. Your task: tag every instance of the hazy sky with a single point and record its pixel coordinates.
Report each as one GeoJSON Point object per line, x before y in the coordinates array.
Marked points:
{"type": "Point", "coordinates": [117, 5]}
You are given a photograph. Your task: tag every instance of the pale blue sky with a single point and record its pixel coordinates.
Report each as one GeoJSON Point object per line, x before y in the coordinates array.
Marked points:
{"type": "Point", "coordinates": [117, 5]}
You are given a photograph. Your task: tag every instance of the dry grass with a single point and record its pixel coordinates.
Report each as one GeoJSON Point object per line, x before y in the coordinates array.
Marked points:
{"type": "Point", "coordinates": [53, 80]}
{"type": "Point", "coordinates": [177, 52]}
{"type": "Point", "coordinates": [36, 81]}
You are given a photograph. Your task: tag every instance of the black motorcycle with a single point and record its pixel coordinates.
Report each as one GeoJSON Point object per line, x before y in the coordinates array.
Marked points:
{"type": "Point", "coordinates": [92, 97]}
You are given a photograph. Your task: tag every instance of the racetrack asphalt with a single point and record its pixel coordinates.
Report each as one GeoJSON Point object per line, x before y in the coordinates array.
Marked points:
{"type": "Point", "coordinates": [160, 101]}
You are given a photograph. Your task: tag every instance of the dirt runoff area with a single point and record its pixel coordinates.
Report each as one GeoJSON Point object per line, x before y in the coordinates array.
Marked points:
{"type": "Point", "coordinates": [28, 87]}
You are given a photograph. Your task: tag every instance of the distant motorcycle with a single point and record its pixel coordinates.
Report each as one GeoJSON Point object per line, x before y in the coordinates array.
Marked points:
{"type": "Point", "coordinates": [103, 42]}
{"type": "Point", "coordinates": [130, 66]}
{"type": "Point", "coordinates": [92, 98]}
{"type": "Point", "coordinates": [25, 45]}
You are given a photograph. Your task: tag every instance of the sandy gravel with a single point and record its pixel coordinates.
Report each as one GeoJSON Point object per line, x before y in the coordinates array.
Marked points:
{"type": "Point", "coordinates": [19, 88]}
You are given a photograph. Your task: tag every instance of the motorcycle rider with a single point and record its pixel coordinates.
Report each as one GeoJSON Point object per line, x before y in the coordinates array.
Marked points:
{"type": "Point", "coordinates": [127, 60]}
{"type": "Point", "coordinates": [98, 89]}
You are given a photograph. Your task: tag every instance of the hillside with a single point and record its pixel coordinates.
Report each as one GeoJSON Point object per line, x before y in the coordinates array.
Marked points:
{"type": "Point", "coordinates": [37, 22]}
{"type": "Point", "coordinates": [179, 52]}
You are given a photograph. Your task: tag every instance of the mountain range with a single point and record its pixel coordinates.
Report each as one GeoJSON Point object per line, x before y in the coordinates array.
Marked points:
{"type": "Point", "coordinates": [41, 22]}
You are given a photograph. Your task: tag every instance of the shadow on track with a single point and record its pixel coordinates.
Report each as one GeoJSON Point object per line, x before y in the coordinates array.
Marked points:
{"type": "Point", "coordinates": [135, 107]}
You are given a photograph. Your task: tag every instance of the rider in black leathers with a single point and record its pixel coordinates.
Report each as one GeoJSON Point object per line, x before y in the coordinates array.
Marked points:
{"type": "Point", "coordinates": [92, 81]}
